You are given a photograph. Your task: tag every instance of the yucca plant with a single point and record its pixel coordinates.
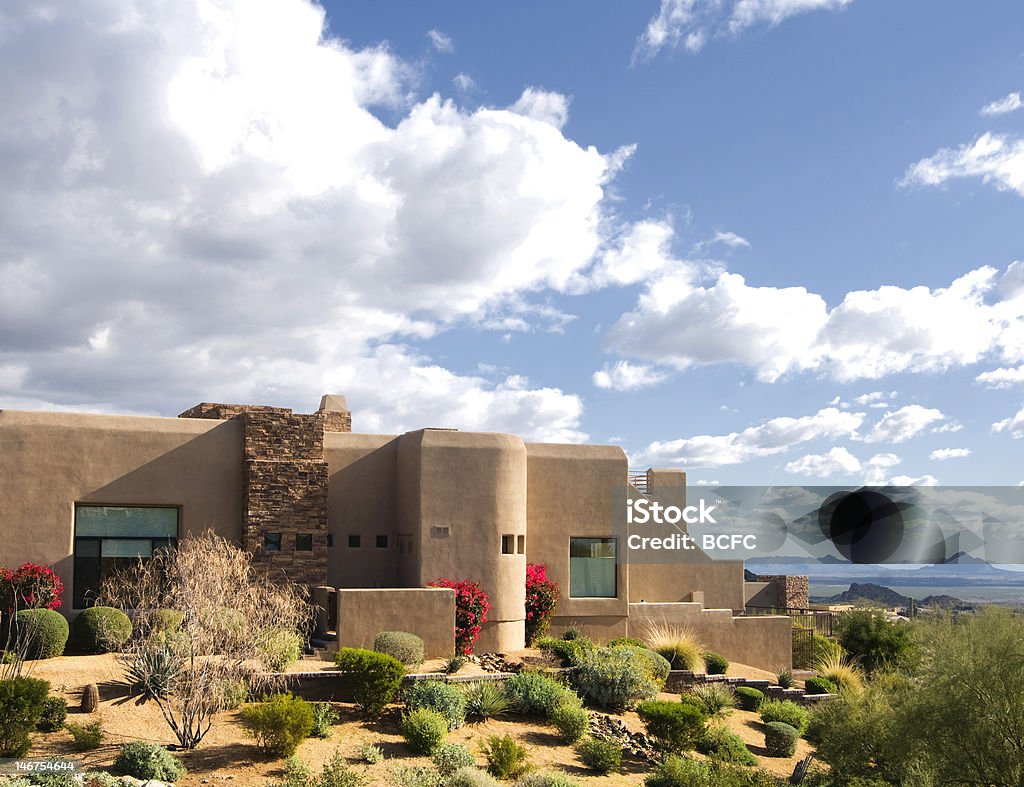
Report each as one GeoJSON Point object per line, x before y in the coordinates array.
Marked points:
{"type": "Point", "coordinates": [154, 669]}
{"type": "Point", "coordinates": [486, 700]}
{"type": "Point", "coordinates": [784, 678]}
{"type": "Point", "coordinates": [842, 670]}
{"type": "Point", "coordinates": [678, 644]}
{"type": "Point", "coordinates": [714, 699]}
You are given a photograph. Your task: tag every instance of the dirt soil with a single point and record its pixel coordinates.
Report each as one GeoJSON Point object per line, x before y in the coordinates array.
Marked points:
{"type": "Point", "coordinates": [227, 755]}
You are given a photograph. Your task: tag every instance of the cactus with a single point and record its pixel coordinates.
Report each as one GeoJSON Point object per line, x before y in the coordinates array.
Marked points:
{"type": "Point", "coordinates": [90, 698]}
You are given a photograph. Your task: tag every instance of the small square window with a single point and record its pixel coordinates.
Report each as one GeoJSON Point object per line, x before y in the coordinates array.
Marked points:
{"type": "Point", "coordinates": [330, 539]}
{"type": "Point", "coordinates": [521, 545]}
{"type": "Point", "coordinates": [271, 542]}
{"type": "Point", "coordinates": [304, 542]}
{"type": "Point", "coordinates": [354, 542]}
{"type": "Point", "coordinates": [382, 542]}
{"type": "Point", "coordinates": [508, 545]}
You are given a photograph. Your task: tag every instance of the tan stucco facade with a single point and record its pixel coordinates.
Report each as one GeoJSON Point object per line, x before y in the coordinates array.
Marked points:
{"type": "Point", "coordinates": [402, 511]}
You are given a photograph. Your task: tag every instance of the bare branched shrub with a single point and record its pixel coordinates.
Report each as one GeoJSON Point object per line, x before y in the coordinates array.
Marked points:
{"type": "Point", "coordinates": [201, 611]}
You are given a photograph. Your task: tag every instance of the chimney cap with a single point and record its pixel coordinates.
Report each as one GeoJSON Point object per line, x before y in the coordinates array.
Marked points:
{"type": "Point", "coordinates": [333, 403]}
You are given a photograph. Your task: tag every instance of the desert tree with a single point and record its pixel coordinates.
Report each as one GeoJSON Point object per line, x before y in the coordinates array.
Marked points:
{"type": "Point", "coordinates": [202, 613]}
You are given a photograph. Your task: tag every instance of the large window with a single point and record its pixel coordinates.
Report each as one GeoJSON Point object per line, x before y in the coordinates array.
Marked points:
{"type": "Point", "coordinates": [110, 538]}
{"type": "Point", "coordinates": [592, 568]}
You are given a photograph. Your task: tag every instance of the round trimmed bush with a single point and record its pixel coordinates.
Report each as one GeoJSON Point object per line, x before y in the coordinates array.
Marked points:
{"type": "Point", "coordinates": [437, 696]}
{"type": "Point", "coordinates": [144, 760]}
{"type": "Point", "coordinates": [101, 630]}
{"type": "Point", "coordinates": [46, 629]}
{"type": "Point", "coordinates": [725, 746]}
{"type": "Point", "coordinates": [169, 620]}
{"type": "Point", "coordinates": [401, 645]}
{"type": "Point", "coordinates": [424, 730]}
{"type": "Point", "coordinates": [472, 777]}
{"type": "Point", "coordinates": [451, 757]}
{"type": "Point", "coordinates": [598, 754]}
{"type": "Point", "coordinates": [571, 720]}
{"type": "Point", "coordinates": [749, 699]}
{"type": "Point", "coordinates": [785, 711]}
{"type": "Point", "coordinates": [656, 664]}
{"type": "Point", "coordinates": [676, 726]}
{"type": "Point", "coordinates": [55, 712]}
{"type": "Point", "coordinates": [715, 663]}
{"type": "Point", "coordinates": [533, 694]}
{"type": "Point", "coordinates": [569, 651]}
{"type": "Point", "coordinates": [819, 686]}
{"type": "Point", "coordinates": [780, 739]}
{"type": "Point", "coordinates": [615, 678]}
{"type": "Point", "coordinates": [373, 678]}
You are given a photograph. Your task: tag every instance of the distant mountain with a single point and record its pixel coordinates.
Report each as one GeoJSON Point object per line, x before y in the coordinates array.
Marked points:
{"type": "Point", "coordinates": [963, 559]}
{"type": "Point", "coordinates": [946, 602]}
{"type": "Point", "coordinates": [861, 592]}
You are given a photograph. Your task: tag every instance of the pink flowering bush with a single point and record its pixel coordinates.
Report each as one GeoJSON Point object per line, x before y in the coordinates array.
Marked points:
{"type": "Point", "coordinates": [30, 587]}
{"type": "Point", "coordinates": [541, 600]}
{"type": "Point", "coordinates": [471, 608]}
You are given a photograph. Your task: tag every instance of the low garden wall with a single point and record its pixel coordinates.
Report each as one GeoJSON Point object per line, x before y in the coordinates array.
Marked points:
{"type": "Point", "coordinates": [428, 613]}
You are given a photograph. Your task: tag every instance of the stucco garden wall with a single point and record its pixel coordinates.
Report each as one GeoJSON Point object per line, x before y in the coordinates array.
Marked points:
{"type": "Point", "coordinates": [426, 612]}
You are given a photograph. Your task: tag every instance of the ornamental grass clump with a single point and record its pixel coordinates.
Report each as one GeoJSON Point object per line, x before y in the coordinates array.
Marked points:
{"type": "Point", "coordinates": [678, 644]}
{"type": "Point", "coordinates": [842, 671]}
{"type": "Point", "coordinates": [486, 699]}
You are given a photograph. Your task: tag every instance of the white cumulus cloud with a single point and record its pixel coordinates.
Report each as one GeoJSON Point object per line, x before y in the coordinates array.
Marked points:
{"type": "Point", "coordinates": [440, 41]}
{"type": "Point", "coordinates": [624, 376]}
{"type": "Point", "coordinates": [771, 437]}
{"type": "Point", "coordinates": [689, 24]}
{"type": "Point", "coordinates": [900, 425]}
{"type": "Point", "coordinates": [1008, 103]}
{"type": "Point", "coordinates": [1002, 377]}
{"type": "Point", "coordinates": [837, 460]}
{"type": "Point", "coordinates": [941, 454]}
{"type": "Point", "coordinates": [1014, 424]}
{"type": "Point", "coordinates": [997, 159]}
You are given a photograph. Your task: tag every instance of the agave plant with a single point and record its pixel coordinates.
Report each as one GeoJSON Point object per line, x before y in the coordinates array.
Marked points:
{"type": "Point", "coordinates": [486, 700]}
{"type": "Point", "coordinates": [154, 670]}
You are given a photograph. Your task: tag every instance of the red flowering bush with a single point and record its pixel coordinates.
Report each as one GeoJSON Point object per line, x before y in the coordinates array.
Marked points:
{"type": "Point", "coordinates": [471, 608]}
{"type": "Point", "coordinates": [541, 600]}
{"type": "Point", "coordinates": [30, 587]}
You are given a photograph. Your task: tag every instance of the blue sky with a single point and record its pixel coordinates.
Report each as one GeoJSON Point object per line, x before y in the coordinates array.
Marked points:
{"type": "Point", "coordinates": [768, 241]}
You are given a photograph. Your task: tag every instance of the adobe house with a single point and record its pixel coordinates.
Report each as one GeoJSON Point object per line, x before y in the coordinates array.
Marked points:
{"type": "Point", "coordinates": [365, 520]}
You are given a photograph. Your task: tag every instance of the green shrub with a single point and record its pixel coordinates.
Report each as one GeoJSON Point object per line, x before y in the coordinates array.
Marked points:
{"type": "Point", "coordinates": [232, 693]}
{"type": "Point", "coordinates": [22, 701]}
{"type": "Point", "coordinates": [568, 651]}
{"type": "Point", "coordinates": [486, 699]}
{"type": "Point", "coordinates": [749, 698]}
{"type": "Point", "coordinates": [371, 753]}
{"type": "Point", "coordinates": [572, 633]}
{"type": "Point", "coordinates": [614, 678]}
{"type": "Point", "coordinates": [601, 755]}
{"type": "Point", "coordinates": [437, 696]}
{"type": "Point", "coordinates": [823, 647]}
{"type": "Point", "coordinates": [677, 771]}
{"type": "Point", "coordinates": [279, 724]}
{"type": "Point", "coordinates": [166, 620]}
{"type": "Point", "coordinates": [46, 630]}
{"type": "Point", "coordinates": [472, 777]}
{"type": "Point", "coordinates": [55, 711]}
{"type": "Point", "coordinates": [632, 641]}
{"type": "Point", "coordinates": [506, 759]}
{"type": "Point", "coordinates": [101, 630]}
{"type": "Point", "coordinates": [656, 664]}
{"type": "Point", "coordinates": [715, 663]}
{"type": "Point", "coordinates": [571, 720]}
{"type": "Point", "coordinates": [725, 746]}
{"type": "Point", "coordinates": [374, 678]}
{"type": "Point", "coordinates": [279, 649]}
{"type": "Point", "coordinates": [86, 736]}
{"type": "Point", "coordinates": [451, 757]}
{"type": "Point", "coordinates": [454, 664]}
{"type": "Point", "coordinates": [424, 730]}
{"type": "Point", "coordinates": [547, 779]}
{"type": "Point", "coordinates": [675, 726]}
{"type": "Point", "coordinates": [336, 773]}
{"type": "Point", "coordinates": [819, 686]}
{"type": "Point", "coordinates": [715, 700]}
{"type": "Point", "coordinates": [785, 711]}
{"type": "Point", "coordinates": [324, 717]}
{"type": "Point", "coordinates": [534, 694]}
{"type": "Point", "coordinates": [400, 775]}
{"type": "Point", "coordinates": [149, 761]}
{"type": "Point", "coordinates": [401, 645]}
{"type": "Point", "coordinates": [297, 773]}
{"type": "Point", "coordinates": [780, 739]}
{"type": "Point", "coordinates": [876, 642]}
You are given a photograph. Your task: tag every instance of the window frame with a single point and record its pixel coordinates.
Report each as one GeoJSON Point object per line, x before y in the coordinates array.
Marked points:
{"type": "Point", "coordinates": [614, 559]}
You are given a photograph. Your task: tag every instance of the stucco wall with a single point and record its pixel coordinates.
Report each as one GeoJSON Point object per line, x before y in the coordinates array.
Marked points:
{"type": "Point", "coordinates": [50, 461]}
{"type": "Point", "coordinates": [361, 500]}
{"type": "Point", "coordinates": [426, 612]}
{"type": "Point", "coordinates": [720, 581]}
{"type": "Point", "coordinates": [761, 641]}
{"type": "Point", "coordinates": [575, 490]}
